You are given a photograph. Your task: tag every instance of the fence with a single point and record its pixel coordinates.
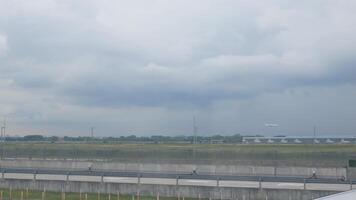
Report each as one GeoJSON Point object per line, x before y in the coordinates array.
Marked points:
{"type": "Point", "coordinates": [10, 194]}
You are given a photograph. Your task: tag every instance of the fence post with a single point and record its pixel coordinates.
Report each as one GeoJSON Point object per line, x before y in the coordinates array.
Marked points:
{"type": "Point", "coordinates": [10, 194]}
{"type": "Point", "coordinates": [1, 193]}
{"type": "Point", "coordinates": [86, 196]}
{"type": "Point", "coordinates": [98, 195]}
{"type": "Point", "coordinates": [21, 195]}
{"type": "Point", "coordinates": [118, 195]}
{"type": "Point", "coordinates": [350, 184]}
{"type": "Point", "coordinates": [80, 195]}
{"type": "Point", "coordinates": [109, 196]}
{"type": "Point", "coordinates": [138, 186]}
{"type": "Point", "coordinates": [158, 196]}
{"type": "Point", "coordinates": [26, 193]}
{"type": "Point", "coordinates": [260, 183]}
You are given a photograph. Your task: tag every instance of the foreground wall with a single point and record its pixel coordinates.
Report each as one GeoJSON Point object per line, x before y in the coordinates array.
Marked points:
{"type": "Point", "coordinates": [332, 172]}
{"type": "Point", "coordinates": [165, 190]}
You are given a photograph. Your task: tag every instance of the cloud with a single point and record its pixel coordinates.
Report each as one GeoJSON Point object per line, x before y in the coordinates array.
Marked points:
{"type": "Point", "coordinates": [171, 55]}
{"type": "Point", "coordinates": [121, 52]}
{"type": "Point", "coordinates": [3, 45]}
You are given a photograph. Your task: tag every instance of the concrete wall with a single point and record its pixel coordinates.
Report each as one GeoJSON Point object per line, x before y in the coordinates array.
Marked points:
{"type": "Point", "coordinates": [166, 190]}
{"type": "Point", "coordinates": [332, 172]}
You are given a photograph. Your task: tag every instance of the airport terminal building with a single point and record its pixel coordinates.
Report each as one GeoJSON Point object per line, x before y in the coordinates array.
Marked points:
{"type": "Point", "coordinates": [299, 140]}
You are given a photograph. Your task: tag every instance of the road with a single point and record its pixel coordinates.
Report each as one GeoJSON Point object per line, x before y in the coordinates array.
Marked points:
{"type": "Point", "coordinates": [207, 180]}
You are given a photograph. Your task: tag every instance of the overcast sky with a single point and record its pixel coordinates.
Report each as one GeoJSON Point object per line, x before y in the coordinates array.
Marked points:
{"type": "Point", "coordinates": [147, 67]}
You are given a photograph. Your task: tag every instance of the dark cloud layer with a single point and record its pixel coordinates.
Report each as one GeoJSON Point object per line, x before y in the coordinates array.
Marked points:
{"type": "Point", "coordinates": [182, 55]}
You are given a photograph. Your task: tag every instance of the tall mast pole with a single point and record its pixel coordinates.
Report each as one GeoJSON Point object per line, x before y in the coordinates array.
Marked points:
{"type": "Point", "coordinates": [195, 130]}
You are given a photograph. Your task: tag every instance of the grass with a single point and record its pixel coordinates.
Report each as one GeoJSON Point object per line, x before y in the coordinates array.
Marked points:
{"type": "Point", "coordinates": [48, 195]}
{"type": "Point", "coordinates": [338, 154]}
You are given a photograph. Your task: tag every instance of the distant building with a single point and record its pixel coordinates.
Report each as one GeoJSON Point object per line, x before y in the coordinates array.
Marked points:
{"type": "Point", "coordinates": [298, 140]}
{"type": "Point", "coordinates": [217, 141]}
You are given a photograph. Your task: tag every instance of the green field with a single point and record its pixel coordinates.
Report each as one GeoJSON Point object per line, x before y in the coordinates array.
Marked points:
{"type": "Point", "coordinates": [40, 195]}
{"type": "Point", "coordinates": [329, 155]}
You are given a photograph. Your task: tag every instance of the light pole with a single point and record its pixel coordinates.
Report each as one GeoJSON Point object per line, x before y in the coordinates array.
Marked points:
{"type": "Point", "coordinates": [92, 132]}
{"type": "Point", "coordinates": [314, 133]}
{"type": "Point", "coordinates": [195, 130]}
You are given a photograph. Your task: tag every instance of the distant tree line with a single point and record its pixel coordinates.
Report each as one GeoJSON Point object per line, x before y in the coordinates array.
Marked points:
{"type": "Point", "coordinates": [237, 138]}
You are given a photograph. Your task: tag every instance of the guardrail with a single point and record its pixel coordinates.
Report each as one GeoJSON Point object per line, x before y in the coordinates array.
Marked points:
{"type": "Point", "coordinates": [193, 175]}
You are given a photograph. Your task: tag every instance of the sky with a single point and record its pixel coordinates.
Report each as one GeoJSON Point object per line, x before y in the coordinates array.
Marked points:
{"type": "Point", "coordinates": [149, 66]}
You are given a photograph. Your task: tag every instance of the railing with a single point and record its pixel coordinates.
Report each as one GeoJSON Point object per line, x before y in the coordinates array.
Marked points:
{"type": "Point", "coordinates": [192, 175]}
